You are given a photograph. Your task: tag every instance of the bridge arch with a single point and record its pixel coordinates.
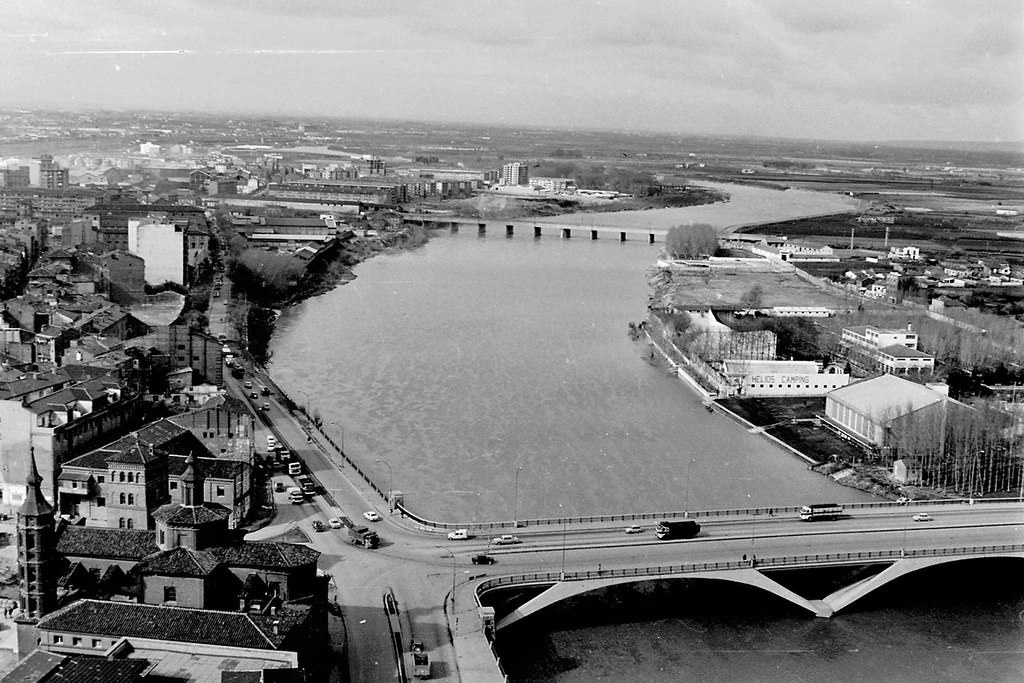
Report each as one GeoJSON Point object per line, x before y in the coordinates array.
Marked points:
{"type": "Point", "coordinates": [558, 589]}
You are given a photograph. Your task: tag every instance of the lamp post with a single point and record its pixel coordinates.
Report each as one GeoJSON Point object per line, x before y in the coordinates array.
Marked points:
{"type": "Point", "coordinates": [449, 550]}
{"type": "Point", "coordinates": [306, 396]}
{"type": "Point", "coordinates": [903, 543]}
{"type": "Point", "coordinates": [561, 513]}
{"type": "Point", "coordinates": [515, 505]}
{"type": "Point", "coordinates": [686, 496]}
{"type": "Point", "coordinates": [391, 481]}
{"type": "Point", "coordinates": [342, 430]}
{"type": "Point", "coordinates": [974, 467]}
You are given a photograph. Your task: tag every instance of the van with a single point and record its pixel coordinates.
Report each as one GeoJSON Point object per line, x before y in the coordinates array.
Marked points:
{"type": "Point", "coordinates": [294, 468]}
{"type": "Point", "coordinates": [295, 496]}
{"type": "Point", "coordinates": [306, 485]}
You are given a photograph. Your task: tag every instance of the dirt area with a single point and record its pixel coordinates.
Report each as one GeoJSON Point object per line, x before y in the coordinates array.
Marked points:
{"type": "Point", "coordinates": [700, 288]}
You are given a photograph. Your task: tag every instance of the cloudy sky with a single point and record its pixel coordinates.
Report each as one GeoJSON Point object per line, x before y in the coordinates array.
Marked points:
{"type": "Point", "coordinates": [828, 69]}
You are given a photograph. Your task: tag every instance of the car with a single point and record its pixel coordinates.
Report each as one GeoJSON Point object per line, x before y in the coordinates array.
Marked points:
{"type": "Point", "coordinates": [458, 535]}
{"type": "Point", "coordinates": [216, 293]}
{"type": "Point", "coordinates": [284, 454]}
{"type": "Point", "coordinates": [902, 500]}
{"type": "Point", "coordinates": [318, 525]}
{"type": "Point", "coordinates": [634, 529]}
{"type": "Point", "coordinates": [226, 350]}
{"type": "Point", "coordinates": [253, 395]}
{"type": "Point", "coordinates": [922, 517]}
{"type": "Point", "coordinates": [372, 516]}
{"type": "Point", "coordinates": [482, 559]}
{"type": "Point", "coordinates": [247, 384]}
{"type": "Point", "coordinates": [265, 406]}
{"type": "Point", "coordinates": [334, 523]}
{"type": "Point", "coordinates": [279, 487]}
{"type": "Point", "coordinates": [271, 440]}
{"type": "Point", "coordinates": [505, 539]}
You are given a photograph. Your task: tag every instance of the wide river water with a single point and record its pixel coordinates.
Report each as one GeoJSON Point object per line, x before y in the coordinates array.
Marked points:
{"type": "Point", "coordinates": [465, 360]}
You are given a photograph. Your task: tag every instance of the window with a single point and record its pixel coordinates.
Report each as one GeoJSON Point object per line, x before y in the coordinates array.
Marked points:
{"type": "Point", "coordinates": [174, 486]}
{"type": "Point", "coordinates": [170, 594]}
{"type": "Point", "coordinates": [130, 524]}
{"type": "Point", "coordinates": [100, 478]}
{"type": "Point", "coordinates": [101, 502]}
{"type": "Point", "coordinates": [96, 642]}
{"type": "Point", "coordinates": [181, 346]}
{"type": "Point", "coordinates": [131, 499]}
{"type": "Point", "coordinates": [163, 537]}
{"type": "Point", "coordinates": [220, 491]}
{"type": "Point", "coordinates": [76, 641]}
{"type": "Point", "coordinates": [120, 476]}
{"type": "Point", "coordinates": [120, 499]}
{"type": "Point", "coordinates": [58, 640]}
{"type": "Point", "coordinates": [131, 478]}
{"type": "Point", "coordinates": [120, 523]}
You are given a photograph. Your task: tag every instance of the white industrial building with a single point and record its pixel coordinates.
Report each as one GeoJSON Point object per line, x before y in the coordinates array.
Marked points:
{"type": "Point", "coordinates": [162, 246]}
{"type": "Point", "coordinates": [775, 378]}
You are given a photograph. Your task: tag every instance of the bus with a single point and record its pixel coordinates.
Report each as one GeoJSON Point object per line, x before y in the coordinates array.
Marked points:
{"type": "Point", "coordinates": [306, 484]}
{"type": "Point", "coordinates": [811, 513]}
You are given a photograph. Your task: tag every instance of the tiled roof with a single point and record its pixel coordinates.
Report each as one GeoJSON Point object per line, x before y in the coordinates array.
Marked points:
{"type": "Point", "coordinates": [182, 516]}
{"type": "Point", "coordinates": [98, 670]}
{"type": "Point", "coordinates": [31, 669]}
{"type": "Point", "coordinates": [163, 435]}
{"type": "Point", "coordinates": [266, 555]}
{"type": "Point", "coordinates": [175, 624]}
{"type": "Point", "coordinates": [179, 562]}
{"type": "Point", "coordinates": [115, 544]}
{"type": "Point", "coordinates": [216, 468]}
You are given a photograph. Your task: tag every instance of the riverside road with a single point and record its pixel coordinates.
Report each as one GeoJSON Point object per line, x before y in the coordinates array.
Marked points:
{"type": "Point", "coordinates": [420, 565]}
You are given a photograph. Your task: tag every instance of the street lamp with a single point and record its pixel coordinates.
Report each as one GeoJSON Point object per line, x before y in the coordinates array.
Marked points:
{"type": "Point", "coordinates": [449, 550]}
{"type": "Point", "coordinates": [515, 508]}
{"type": "Point", "coordinates": [561, 513]}
{"type": "Point", "coordinates": [391, 481]}
{"type": "Point", "coordinates": [686, 497]}
{"type": "Point", "coordinates": [974, 467]}
{"type": "Point", "coordinates": [342, 429]}
{"type": "Point", "coordinates": [307, 402]}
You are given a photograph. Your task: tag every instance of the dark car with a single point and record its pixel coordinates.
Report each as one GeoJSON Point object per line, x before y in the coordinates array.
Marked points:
{"type": "Point", "coordinates": [482, 559]}
{"type": "Point", "coordinates": [318, 525]}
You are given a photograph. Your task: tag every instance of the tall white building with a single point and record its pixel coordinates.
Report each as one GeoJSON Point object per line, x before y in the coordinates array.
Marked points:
{"type": "Point", "coordinates": [162, 246]}
{"type": "Point", "coordinates": [515, 173]}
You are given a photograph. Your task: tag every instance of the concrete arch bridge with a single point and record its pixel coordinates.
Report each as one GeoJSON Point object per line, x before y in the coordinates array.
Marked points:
{"type": "Point", "coordinates": [560, 586]}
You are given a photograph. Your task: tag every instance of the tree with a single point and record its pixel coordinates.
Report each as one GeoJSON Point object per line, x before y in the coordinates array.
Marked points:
{"type": "Point", "coordinates": [753, 298]}
{"type": "Point", "coordinates": [691, 241]}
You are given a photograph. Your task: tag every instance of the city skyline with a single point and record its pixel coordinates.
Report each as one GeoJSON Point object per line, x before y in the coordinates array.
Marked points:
{"type": "Point", "coordinates": [874, 71]}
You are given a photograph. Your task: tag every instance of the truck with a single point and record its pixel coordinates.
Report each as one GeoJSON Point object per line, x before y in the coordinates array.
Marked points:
{"type": "Point", "coordinates": [306, 484]}
{"type": "Point", "coordinates": [360, 535]}
{"type": "Point", "coordinates": [295, 496]}
{"type": "Point", "coordinates": [418, 661]}
{"type": "Point", "coordinates": [669, 529]}
{"type": "Point", "coordinates": [812, 513]}
{"type": "Point", "coordinates": [238, 372]}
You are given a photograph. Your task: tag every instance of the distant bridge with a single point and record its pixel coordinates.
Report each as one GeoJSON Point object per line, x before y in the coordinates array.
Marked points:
{"type": "Point", "coordinates": [562, 585]}
{"type": "Point", "coordinates": [537, 229]}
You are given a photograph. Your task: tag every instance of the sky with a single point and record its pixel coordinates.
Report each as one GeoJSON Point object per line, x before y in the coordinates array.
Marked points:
{"type": "Point", "coordinates": [876, 70]}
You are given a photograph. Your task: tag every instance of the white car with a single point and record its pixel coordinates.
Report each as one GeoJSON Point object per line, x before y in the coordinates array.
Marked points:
{"type": "Point", "coordinates": [922, 517]}
{"type": "Point", "coordinates": [372, 516]}
{"type": "Point", "coordinates": [458, 535]}
{"type": "Point", "coordinates": [334, 523]}
{"type": "Point", "coordinates": [505, 539]}
{"type": "Point", "coordinates": [634, 529]}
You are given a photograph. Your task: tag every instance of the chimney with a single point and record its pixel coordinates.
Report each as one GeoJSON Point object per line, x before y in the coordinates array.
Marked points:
{"type": "Point", "coordinates": [910, 327]}
{"type": "Point", "coordinates": [276, 623]}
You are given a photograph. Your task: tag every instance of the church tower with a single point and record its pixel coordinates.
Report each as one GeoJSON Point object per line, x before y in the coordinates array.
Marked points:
{"type": "Point", "coordinates": [37, 559]}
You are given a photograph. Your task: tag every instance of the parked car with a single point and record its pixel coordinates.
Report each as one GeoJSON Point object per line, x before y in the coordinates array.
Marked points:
{"type": "Point", "coordinates": [372, 516]}
{"type": "Point", "coordinates": [902, 500]}
{"type": "Point", "coordinates": [482, 559]}
{"type": "Point", "coordinates": [318, 525]}
{"type": "Point", "coordinates": [505, 539]}
{"type": "Point", "coordinates": [279, 487]}
{"type": "Point", "coordinates": [334, 523]}
{"type": "Point", "coordinates": [458, 535]}
{"type": "Point", "coordinates": [216, 293]}
{"type": "Point", "coordinates": [254, 395]}
{"type": "Point", "coordinates": [265, 406]}
{"type": "Point", "coordinates": [922, 517]}
{"type": "Point", "coordinates": [247, 384]}
{"type": "Point", "coordinates": [634, 529]}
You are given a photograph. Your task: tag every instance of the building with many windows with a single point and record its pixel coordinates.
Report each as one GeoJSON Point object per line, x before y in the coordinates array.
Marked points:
{"type": "Point", "coordinates": [515, 173]}
{"type": "Point", "coordinates": [889, 350]}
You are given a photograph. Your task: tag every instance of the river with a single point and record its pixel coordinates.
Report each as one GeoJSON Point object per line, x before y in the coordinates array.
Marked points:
{"type": "Point", "coordinates": [473, 358]}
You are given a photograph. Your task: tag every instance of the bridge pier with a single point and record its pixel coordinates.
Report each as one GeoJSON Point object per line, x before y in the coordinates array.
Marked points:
{"type": "Point", "coordinates": [650, 238]}
{"type": "Point", "coordinates": [481, 228]}
{"type": "Point", "coordinates": [453, 227]}
{"type": "Point", "coordinates": [509, 231]}
{"type": "Point", "coordinates": [622, 237]}
{"type": "Point", "coordinates": [536, 231]}
{"type": "Point", "coordinates": [593, 234]}
{"type": "Point", "coordinates": [566, 233]}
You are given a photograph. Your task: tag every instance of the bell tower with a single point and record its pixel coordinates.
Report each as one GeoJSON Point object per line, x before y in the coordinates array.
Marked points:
{"type": "Point", "coordinates": [37, 559]}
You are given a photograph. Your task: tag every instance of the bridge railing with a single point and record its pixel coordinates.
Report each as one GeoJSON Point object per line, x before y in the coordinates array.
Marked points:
{"type": "Point", "coordinates": [792, 510]}
{"type": "Point", "coordinates": [778, 562]}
